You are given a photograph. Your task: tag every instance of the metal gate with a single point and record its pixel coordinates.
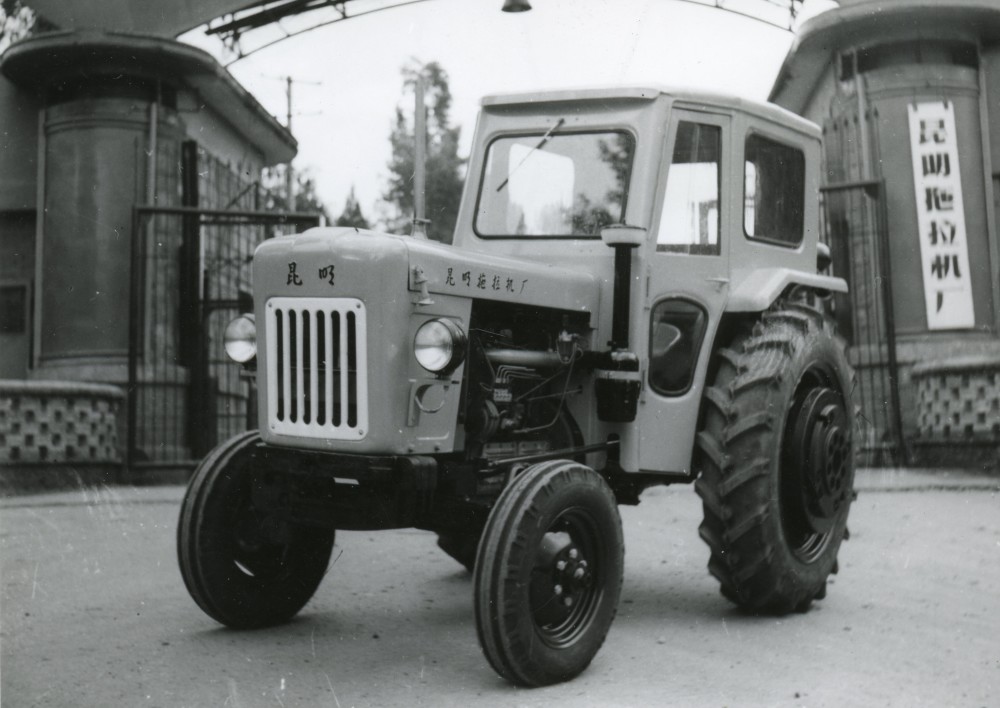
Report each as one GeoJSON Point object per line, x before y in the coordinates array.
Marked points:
{"type": "Point", "coordinates": [855, 228]}
{"type": "Point", "coordinates": [191, 274]}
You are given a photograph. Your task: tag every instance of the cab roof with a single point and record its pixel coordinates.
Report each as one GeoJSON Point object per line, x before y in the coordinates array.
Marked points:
{"type": "Point", "coordinates": [768, 111]}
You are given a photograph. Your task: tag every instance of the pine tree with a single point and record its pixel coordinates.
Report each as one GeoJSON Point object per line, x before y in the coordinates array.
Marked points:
{"type": "Point", "coordinates": [445, 170]}
{"type": "Point", "coordinates": [306, 198]}
{"type": "Point", "coordinates": [352, 216]}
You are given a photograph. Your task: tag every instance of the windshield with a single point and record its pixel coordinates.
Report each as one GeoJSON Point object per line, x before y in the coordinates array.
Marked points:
{"type": "Point", "coordinates": [554, 185]}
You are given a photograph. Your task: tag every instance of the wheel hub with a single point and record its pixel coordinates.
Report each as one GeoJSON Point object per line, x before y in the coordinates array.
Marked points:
{"type": "Point", "coordinates": [822, 452]}
{"type": "Point", "coordinates": [562, 577]}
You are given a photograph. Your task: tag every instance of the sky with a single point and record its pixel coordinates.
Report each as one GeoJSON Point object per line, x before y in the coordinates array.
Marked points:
{"type": "Point", "coordinates": [347, 82]}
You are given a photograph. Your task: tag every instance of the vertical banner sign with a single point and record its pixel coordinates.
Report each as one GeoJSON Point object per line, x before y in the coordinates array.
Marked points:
{"type": "Point", "coordinates": [944, 252]}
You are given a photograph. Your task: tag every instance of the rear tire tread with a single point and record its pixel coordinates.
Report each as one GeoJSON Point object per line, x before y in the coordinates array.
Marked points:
{"type": "Point", "coordinates": [735, 484]}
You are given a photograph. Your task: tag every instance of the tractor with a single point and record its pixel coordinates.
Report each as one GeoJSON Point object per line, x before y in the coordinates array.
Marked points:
{"type": "Point", "coordinates": [635, 295]}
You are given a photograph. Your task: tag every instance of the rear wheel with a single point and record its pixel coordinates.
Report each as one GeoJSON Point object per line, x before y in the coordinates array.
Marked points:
{"type": "Point", "coordinates": [548, 573]}
{"type": "Point", "coordinates": [776, 457]}
{"type": "Point", "coordinates": [243, 563]}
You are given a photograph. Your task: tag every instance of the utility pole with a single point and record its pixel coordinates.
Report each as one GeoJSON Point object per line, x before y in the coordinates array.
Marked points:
{"type": "Point", "coordinates": [289, 173]}
{"type": "Point", "coordinates": [419, 160]}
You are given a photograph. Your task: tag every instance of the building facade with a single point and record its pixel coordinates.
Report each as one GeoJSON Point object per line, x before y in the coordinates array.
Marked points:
{"type": "Point", "coordinates": [96, 125]}
{"type": "Point", "coordinates": [908, 95]}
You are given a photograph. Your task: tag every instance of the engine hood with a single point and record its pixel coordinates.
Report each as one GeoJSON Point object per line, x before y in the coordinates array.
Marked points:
{"type": "Point", "coordinates": [343, 261]}
{"type": "Point", "coordinates": [331, 262]}
{"type": "Point", "coordinates": [448, 270]}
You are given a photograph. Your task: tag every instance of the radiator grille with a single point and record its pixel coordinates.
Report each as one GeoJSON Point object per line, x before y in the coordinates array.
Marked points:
{"type": "Point", "coordinates": [317, 378]}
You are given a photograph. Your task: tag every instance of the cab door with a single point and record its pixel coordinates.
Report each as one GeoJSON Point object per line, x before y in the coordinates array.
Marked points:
{"type": "Point", "coordinates": [687, 285]}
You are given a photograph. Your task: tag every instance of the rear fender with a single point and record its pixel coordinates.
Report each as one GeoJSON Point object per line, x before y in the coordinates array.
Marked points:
{"type": "Point", "coordinates": [760, 288]}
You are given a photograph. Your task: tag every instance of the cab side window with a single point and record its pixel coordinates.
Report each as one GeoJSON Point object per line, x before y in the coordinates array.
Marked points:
{"type": "Point", "coordinates": [689, 222]}
{"type": "Point", "coordinates": [774, 191]}
{"type": "Point", "coordinates": [676, 333]}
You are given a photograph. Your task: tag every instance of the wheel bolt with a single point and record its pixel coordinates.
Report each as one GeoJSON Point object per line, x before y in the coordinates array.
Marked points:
{"type": "Point", "coordinates": [579, 573]}
{"type": "Point", "coordinates": [573, 554]}
{"type": "Point", "coordinates": [561, 566]}
{"type": "Point", "coordinates": [558, 589]}
{"type": "Point", "coordinates": [568, 601]}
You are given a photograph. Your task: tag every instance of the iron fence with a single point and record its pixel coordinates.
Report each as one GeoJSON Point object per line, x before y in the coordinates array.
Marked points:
{"type": "Point", "coordinates": [191, 274]}
{"type": "Point", "coordinates": [855, 228]}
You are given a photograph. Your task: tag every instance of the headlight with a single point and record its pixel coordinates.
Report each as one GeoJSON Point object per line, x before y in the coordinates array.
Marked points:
{"type": "Point", "coordinates": [439, 346]}
{"type": "Point", "coordinates": [241, 339]}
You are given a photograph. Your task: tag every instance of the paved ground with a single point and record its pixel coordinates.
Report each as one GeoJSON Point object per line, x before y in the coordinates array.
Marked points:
{"type": "Point", "coordinates": [94, 613]}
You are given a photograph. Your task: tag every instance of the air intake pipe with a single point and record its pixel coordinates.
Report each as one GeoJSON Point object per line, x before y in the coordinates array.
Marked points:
{"type": "Point", "coordinates": [617, 381]}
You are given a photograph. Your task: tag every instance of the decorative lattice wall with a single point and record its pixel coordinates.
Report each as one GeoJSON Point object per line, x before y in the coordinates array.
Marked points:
{"type": "Point", "coordinates": [958, 399]}
{"type": "Point", "coordinates": [56, 422]}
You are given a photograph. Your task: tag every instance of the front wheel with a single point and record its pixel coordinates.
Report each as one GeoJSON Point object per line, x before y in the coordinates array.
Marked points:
{"type": "Point", "coordinates": [548, 573]}
{"type": "Point", "coordinates": [243, 563]}
{"type": "Point", "coordinates": [556, 429]}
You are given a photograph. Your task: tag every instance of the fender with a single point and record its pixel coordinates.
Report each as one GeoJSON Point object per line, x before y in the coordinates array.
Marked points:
{"type": "Point", "coordinates": [761, 287]}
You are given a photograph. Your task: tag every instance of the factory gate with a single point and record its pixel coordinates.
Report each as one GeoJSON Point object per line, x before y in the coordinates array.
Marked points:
{"type": "Point", "coordinates": [855, 229]}
{"type": "Point", "coordinates": [191, 275]}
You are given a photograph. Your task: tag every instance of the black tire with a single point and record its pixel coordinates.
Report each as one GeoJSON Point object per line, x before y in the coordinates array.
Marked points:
{"type": "Point", "coordinates": [461, 541]}
{"type": "Point", "coordinates": [461, 545]}
{"type": "Point", "coordinates": [776, 456]}
{"type": "Point", "coordinates": [548, 573]}
{"type": "Point", "coordinates": [244, 566]}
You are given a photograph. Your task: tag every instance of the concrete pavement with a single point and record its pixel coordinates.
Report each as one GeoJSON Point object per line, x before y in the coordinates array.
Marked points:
{"type": "Point", "coordinates": [93, 613]}
{"type": "Point", "coordinates": [866, 480]}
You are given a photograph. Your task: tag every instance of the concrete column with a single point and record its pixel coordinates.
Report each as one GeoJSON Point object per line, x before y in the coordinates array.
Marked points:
{"type": "Point", "coordinates": [97, 160]}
